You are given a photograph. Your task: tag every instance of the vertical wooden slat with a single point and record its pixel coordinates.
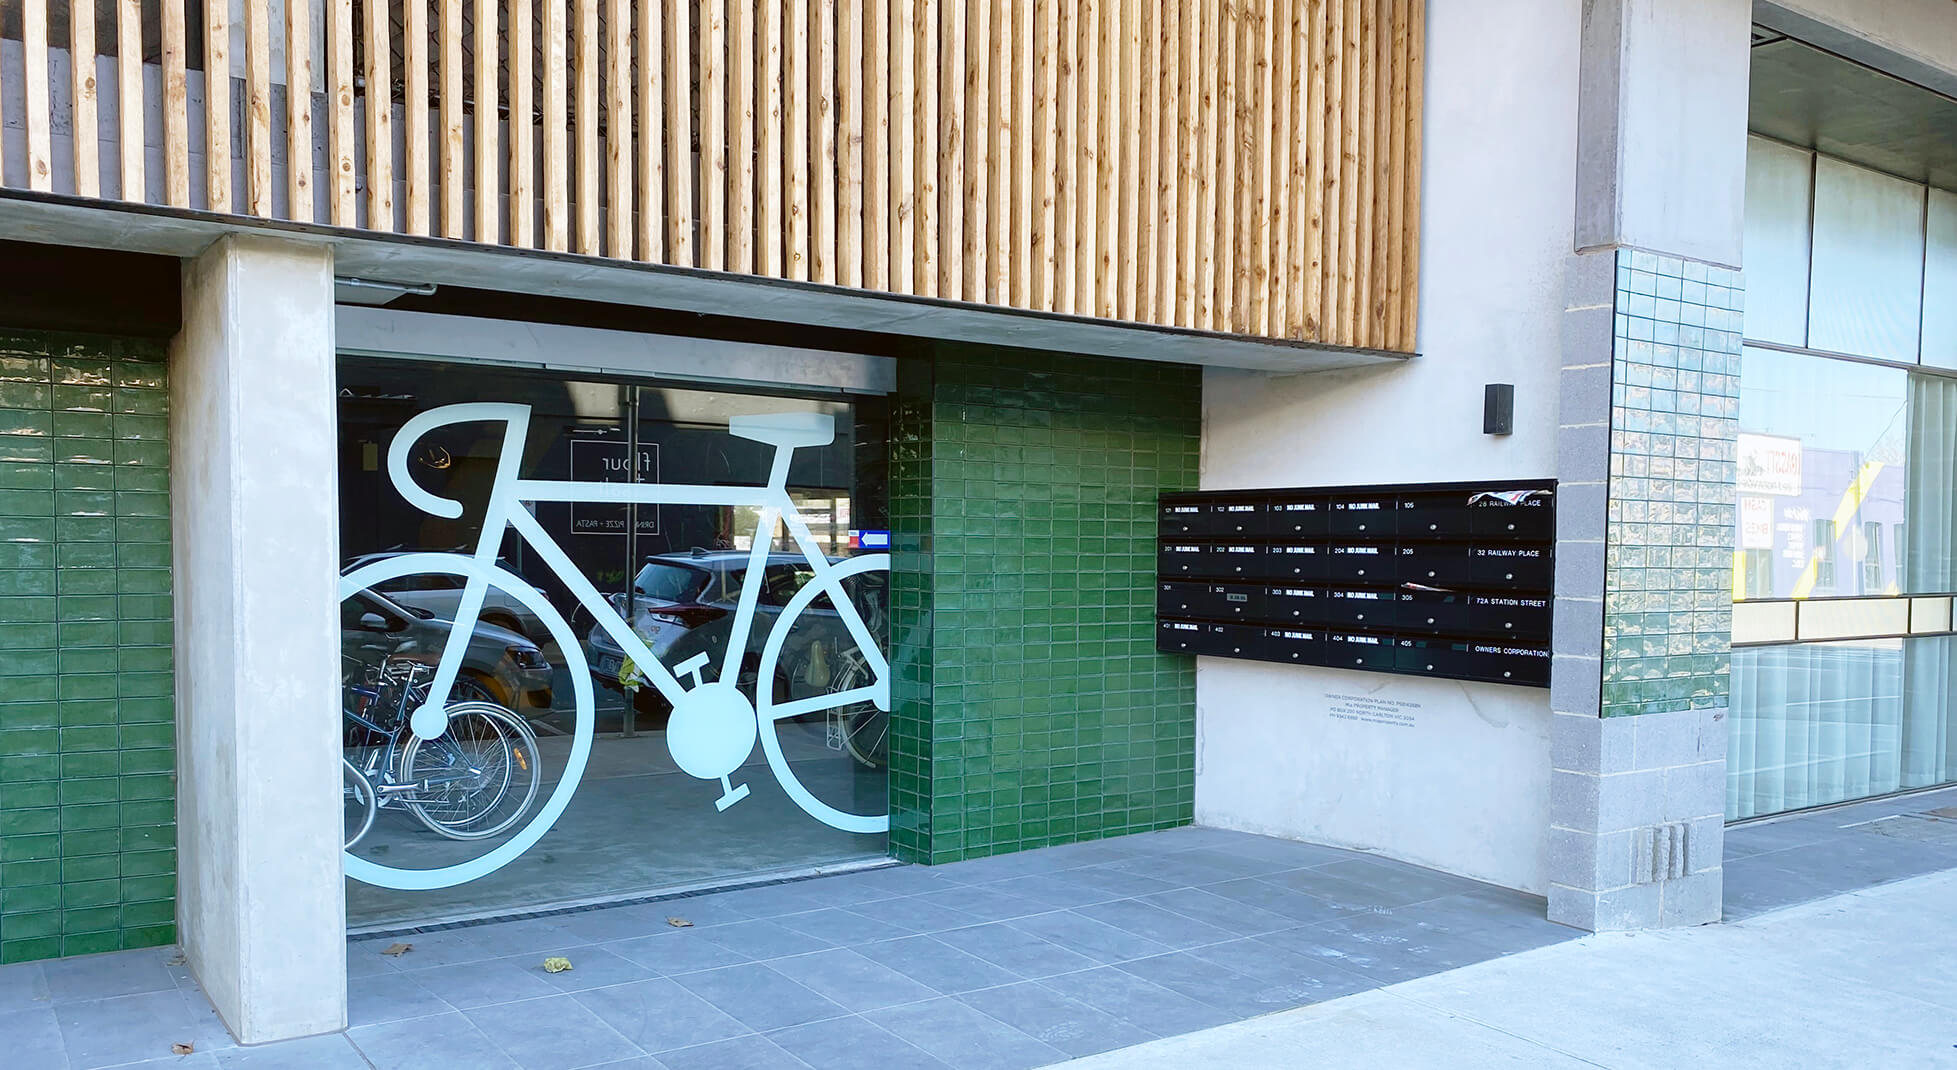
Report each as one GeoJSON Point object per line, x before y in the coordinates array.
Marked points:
{"type": "Point", "coordinates": [1365, 116]}
{"type": "Point", "coordinates": [956, 142]}
{"type": "Point", "coordinates": [770, 177]}
{"type": "Point", "coordinates": [713, 134]}
{"type": "Point", "coordinates": [299, 118]}
{"type": "Point", "coordinates": [34, 75]}
{"type": "Point", "coordinates": [903, 143]}
{"type": "Point", "coordinates": [826, 174]}
{"type": "Point", "coordinates": [1247, 136]}
{"type": "Point", "coordinates": [454, 191]}
{"type": "Point", "coordinates": [1189, 193]}
{"type": "Point", "coordinates": [1004, 129]}
{"type": "Point", "coordinates": [795, 102]}
{"type": "Point", "coordinates": [1148, 173]}
{"type": "Point", "coordinates": [1395, 200]}
{"type": "Point", "coordinates": [589, 166]}
{"type": "Point", "coordinates": [1385, 213]}
{"type": "Point", "coordinates": [1263, 207]}
{"type": "Point", "coordinates": [523, 163]}
{"type": "Point", "coordinates": [969, 198]}
{"type": "Point", "coordinates": [1346, 328]}
{"type": "Point", "coordinates": [879, 196]}
{"type": "Point", "coordinates": [129, 95]}
{"type": "Point", "coordinates": [258, 109]}
{"type": "Point", "coordinates": [924, 200]}
{"type": "Point", "coordinates": [489, 177]}
{"type": "Point", "coordinates": [679, 134]}
{"type": "Point", "coordinates": [1207, 178]}
{"type": "Point", "coordinates": [1044, 143]}
{"type": "Point", "coordinates": [652, 104]}
{"type": "Point", "coordinates": [1284, 30]}
{"type": "Point", "coordinates": [556, 79]}
{"type": "Point", "coordinates": [1021, 223]}
{"type": "Point", "coordinates": [84, 134]}
{"type": "Point", "coordinates": [1066, 231]}
{"type": "Point", "coordinates": [414, 112]}
{"type": "Point", "coordinates": [1410, 212]}
{"type": "Point", "coordinates": [740, 116]}
{"type": "Point", "coordinates": [341, 204]}
{"type": "Point", "coordinates": [851, 78]}
{"type": "Point", "coordinates": [1169, 152]}
{"type": "Point", "coordinates": [1229, 35]}
{"type": "Point", "coordinates": [618, 129]}
{"type": "Point", "coordinates": [217, 105]}
{"type": "Point", "coordinates": [380, 120]}
{"type": "Point", "coordinates": [1108, 158]}
{"type": "Point", "coordinates": [1087, 140]}
{"type": "Point", "coordinates": [1331, 94]}
{"type": "Point", "coordinates": [1128, 97]}
{"type": "Point", "coordinates": [176, 118]}
{"type": "Point", "coordinates": [1307, 130]}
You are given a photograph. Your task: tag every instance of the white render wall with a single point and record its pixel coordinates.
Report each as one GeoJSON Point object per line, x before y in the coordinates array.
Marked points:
{"type": "Point", "coordinates": [261, 909]}
{"type": "Point", "coordinates": [1465, 786]}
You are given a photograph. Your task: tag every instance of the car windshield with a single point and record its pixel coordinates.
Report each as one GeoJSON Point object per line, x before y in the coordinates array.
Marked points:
{"type": "Point", "coordinates": [668, 582]}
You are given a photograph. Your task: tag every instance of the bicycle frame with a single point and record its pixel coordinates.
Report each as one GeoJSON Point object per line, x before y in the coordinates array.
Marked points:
{"type": "Point", "coordinates": [505, 511]}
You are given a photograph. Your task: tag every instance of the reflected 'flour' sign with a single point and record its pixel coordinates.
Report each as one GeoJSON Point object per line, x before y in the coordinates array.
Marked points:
{"type": "Point", "coordinates": [1769, 464]}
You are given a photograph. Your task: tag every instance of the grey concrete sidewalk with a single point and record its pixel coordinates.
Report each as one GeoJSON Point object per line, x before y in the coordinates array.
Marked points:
{"type": "Point", "coordinates": [1865, 979]}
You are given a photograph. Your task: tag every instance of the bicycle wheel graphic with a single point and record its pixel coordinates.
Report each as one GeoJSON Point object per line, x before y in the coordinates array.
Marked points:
{"type": "Point", "coordinates": [460, 565]}
{"type": "Point", "coordinates": [771, 712]}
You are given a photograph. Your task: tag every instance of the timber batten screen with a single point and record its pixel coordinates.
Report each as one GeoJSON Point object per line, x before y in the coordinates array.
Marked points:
{"type": "Point", "coordinates": [1248, 167]}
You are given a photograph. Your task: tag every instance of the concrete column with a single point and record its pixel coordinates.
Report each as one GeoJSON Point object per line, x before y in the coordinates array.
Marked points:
{"type": "Point", "coordinates": [1651, 339]}
{"type": "Point", "coordinates": [261, 899]}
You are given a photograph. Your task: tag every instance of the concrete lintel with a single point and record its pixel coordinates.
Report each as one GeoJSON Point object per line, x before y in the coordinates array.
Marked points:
{"type": "Point", "coordinates": [54, 219]}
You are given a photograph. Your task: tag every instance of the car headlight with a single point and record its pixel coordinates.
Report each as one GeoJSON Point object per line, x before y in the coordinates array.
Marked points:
{"type": "Point", "coordinates": [527, 657]}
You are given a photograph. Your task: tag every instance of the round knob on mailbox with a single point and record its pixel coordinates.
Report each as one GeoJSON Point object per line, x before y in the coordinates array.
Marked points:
{"type": "Point", "coordinates": [1358, 661]}
{"type": "Point", "coordinates": [1433, 527]}
{"type": "Point", "coordinates": [1505, 676]}
{"type": "Point", "coordinates": [1508, 575]}
{"type": "Point", "coordinates": [1430, 573]}
{"type": "Point", "coordinates": [1362, 616]}
{"type": "Point", "coordinates": [1430, 620]}
{"type": "Point", "coordinates": [1508, 624]}
{"type": "Point", "coordinates": [1430, 668]}
{"type": "Point", "coordinates": [1511, 527]}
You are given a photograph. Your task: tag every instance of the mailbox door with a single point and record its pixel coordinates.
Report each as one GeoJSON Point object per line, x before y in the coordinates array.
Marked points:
{"type": "Point", "coordinates": [1359, 609]}
{"type": "Point", "coordinates": [1433, 516]}
{"type": "Point", "coordinates": [1236, 561]}
{"type": "Point", "coordinates": [1180, 519]}
{"type": "Point", "coordinates": [1534, 519]}
{"type": "Point", "coordinates": [1498, 565]}
{"type": "Point", "coordinates": [1365, 517]}
{"type": "Point", "coordinates": [1295, 605]}
{"type": "Point", "coordinates": [1174, 598]}
{"type": "Point", "coordinates": [1296, 518]}
{"type": "Point", "coordinates": [1433, 657]}
{"type": "Point", "coordinates": [1182, 561]}
{"type": "Point", "coordinates": [1295, 646]}
{"type": "Point", "coordinates": [1229, 641]}
{"type": "Point", "coordinates": [1234, 602]}
{"type": "Point", "coordinates": [1519, 615]}
{"type": "Point", "coordinates": [1360, 563]}
{"type": "Point", "coordinates": [1433, 564]}
{"type": "Point", "coordinates": [1510, 664]}
{"type": "Point", "coordinates": [1294, 563]}
{"type": "Point", "coordinates": [1178, 636]}
{"type": "Point", "coordinates": [1347, 650]}
{"type": "Point", "coordinates": [1237, 520]}
{"type": "Point", "coordinates": [1433, 611]}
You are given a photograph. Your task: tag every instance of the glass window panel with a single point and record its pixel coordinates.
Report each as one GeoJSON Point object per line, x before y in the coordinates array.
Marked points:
{"type": "Point", "coordinates": [1778, 187]}
{"type": "Point", "coordinates": [1929, 552]}
{"type": "Point", "coordinates": [1866, 286]}
{"type": "Point", "coordinates": [1940, 282]}
{"type": "Point", "coordinates": [1814, 723]}
{"type": "Point", "coordinates": [1821, 457]}
{"type": "Point", "coordinates": [1929, 681]}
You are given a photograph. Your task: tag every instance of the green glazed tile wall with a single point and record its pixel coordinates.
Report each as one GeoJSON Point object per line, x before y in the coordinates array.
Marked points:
{"type": "Point", "coordinates": [87, 755]}
{"type": "Point", "coordinates": [1030, 707]}
{"type": "Point", "coordinates": [1668, 552]}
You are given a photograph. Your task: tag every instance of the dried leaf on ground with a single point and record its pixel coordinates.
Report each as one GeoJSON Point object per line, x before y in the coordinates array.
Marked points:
{"type": "Point", "coordinates": [556, 965]}
{"type": "Point", "coordinates": [181, 1049]}
{"type": "Point", "coordinates": [397, 950]}
{"type": "Point", "coordinates": [679, 923]}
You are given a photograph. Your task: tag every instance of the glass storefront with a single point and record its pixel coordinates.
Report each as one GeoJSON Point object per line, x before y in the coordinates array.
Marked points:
{"type": "Point", "coordinates": [1847, 459]}
{"type": "Point", "coordinates": [655, 617]}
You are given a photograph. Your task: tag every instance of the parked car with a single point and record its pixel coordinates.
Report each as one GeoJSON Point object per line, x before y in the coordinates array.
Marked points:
{"type": "Point", "coordinates": [507, 667]}
{"type": "Point", "coordinates": [441, 594]}
{"type": "Point", "coordinates": [684, 604]}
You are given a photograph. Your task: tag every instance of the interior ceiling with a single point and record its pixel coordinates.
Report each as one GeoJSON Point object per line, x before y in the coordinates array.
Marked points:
{"type": "Point", "coordinates": [1815, 99]}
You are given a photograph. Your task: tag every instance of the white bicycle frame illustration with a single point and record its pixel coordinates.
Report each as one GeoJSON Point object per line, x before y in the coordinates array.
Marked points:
{"type": "Point", "coordinates": [713, 727]}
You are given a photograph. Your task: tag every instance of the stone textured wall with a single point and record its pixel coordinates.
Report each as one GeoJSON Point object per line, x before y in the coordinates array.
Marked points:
{"type": "Point", "coordinates": [87, 749]}
{"type": "Point", "coordinates": [1030, 706]}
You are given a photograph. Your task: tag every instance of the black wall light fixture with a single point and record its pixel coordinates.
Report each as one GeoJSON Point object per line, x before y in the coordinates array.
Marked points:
{"type": "Point", "coordinates": [1498, 409]}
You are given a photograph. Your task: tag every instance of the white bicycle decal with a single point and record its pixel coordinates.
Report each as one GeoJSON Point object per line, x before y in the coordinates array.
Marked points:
{"type": "Point", "coordinates": [713, 726]}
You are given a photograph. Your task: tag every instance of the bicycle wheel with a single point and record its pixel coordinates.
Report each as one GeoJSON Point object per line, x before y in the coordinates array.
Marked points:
{"type": "Point", "coordinates": [481, 775]}
{"type": "Point", "coordinates": [875, 690]}
{"type": "Point", "coordinates": [361, 803]}
{"type": "Point", "coordinates": [373, 626]}
{"type": "Point", "coordinates": [866, 728]}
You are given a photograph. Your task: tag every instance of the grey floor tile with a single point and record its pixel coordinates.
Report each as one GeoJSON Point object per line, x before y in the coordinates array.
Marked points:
{"type": "Point", "coordinates": [1265, 893]}
{"type": "Point", "coordinates": [1400, 878]}
{"type": "Point", "coordinates": [443, 1042]}
{"type": "Point", "coordinates": [852, 1043]}
{"type": "Point", "coordinates": [1388, 947]}
{"type": "Point", "coordinates": [1509, 925]}
{"type": "Point", "coordinates": [1024, 953]}
{"type": "Point", "coordinates": [750, 1052]}
{"type": "Point", "coordinates": [23, 986]}
{"type": "Point", "coordinates": [1116, 882]}
{"type": "Point", "coordinates": [591, 967]}
{"type": "Point", "coordinates": [914, 914]}
{"type": "Point", "coordinates": [1194, 867]}
{"type": "Point", "coordinates": [1282, 975]}
{"type": "Point", "coordinates": [1053, 891]}
{"type": "Point", "coordinates": [1084, 936]}
{"type": "Point", "coordinates": [477, 984]}
{"type": "Point", "coordinates": [964, 1038]}
{"type": "Point", "coordinates": [659, 1015]}
{"type": "Point", "coordinates": [526, 934]}
{"type": "Point", "coordinates": [1206, 982]}
{"type": "Point", "coordinates": [388, 998]}
{"type": "Point", "coordinates": [759, 997]}
{"type": "Point", "coordinates": [680, 951]}
{"type": "Point", "coordinates": [1155, 923]}
{"type": "Point", "coordinates": [364, 958]}
{"type": "Point", "coordinates": [32, 1038]}
{"type": "Point", "coordinates": [553, 1033]}
{"type": "Point", "coordinates": [936, 964]}
{"type": "Point", "coordinates": [840, 928]}
{"type": "Point", "coordinates": [764, 940]}
{"type": "Point", "coordinates": [706, 911]}
{"type": "Point", "coordinates": [1056, 1020]}
{"type": "Point", "coordinates": [629, 922]}
{"type": "Point", "coordinates": [201, 1060]}
{"type": "Point", "coordinates": [1094, 852]}
{"type": "Point", "coordinates": [642, 1062]}
{"type": "Point", "coordinates": [851, 981]}
{"type": "Point", "coordinates": [1188, 838]}
{"type": "Point", "coordinates": [886, 883]}
{"type": "Point", "coordinates": [444, 948]}
{"type": "Point", "coordinates": [1345, 889]}
{"type": "Point", "coordinates": [774, 900]}
{"type": "Point", "coordinates": [982, 903]}
{"type": "Point", "coordinates": [118, 973]}
{"type": "Point", "coordinates": [1001, 867]}
{"type": "Point", "coordinates": [1137, 1001]}
{"type": "Point", "coordinates": [1284, 854]}
{"type": "Point", "coordinates": [1241, 919]}
{"type": "Point", "coordinates": [125, 1029]}
{"type": "Point", "coordinates": [333, 1052]}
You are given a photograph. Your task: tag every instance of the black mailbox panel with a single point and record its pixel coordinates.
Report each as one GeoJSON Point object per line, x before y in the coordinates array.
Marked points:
{"type": "Point", "coordinates": [1447, 580]}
